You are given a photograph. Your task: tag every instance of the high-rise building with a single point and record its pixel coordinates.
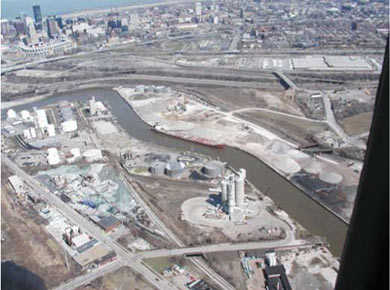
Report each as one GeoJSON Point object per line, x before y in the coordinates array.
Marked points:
{"type": "Point", "coordinates": [198, 8]}
{"type": "Point", "coordinates": [5, 27]}
{"type": "Point", "coordinates": [20, 27]}
{"type": "Point", "coordinates": [60, 23]}
{"type": "Point", "coordinates": [37, 16]}
{"type": "Point", "coordinates": [52, 28]}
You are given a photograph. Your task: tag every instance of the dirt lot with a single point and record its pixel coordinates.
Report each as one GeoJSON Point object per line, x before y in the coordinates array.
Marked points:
{"type": "Point", "coordinates": [228, 265]}
{"type": "Point", "coordinates": [123, 278]}
{"type": "Point", "coordinates": [28, 244]}
{"type": "Point", "coordinates": [292, 129]}
{"type": "Point", "coordinates": [238, 98]}
{"type": "Point", "coordinates": [357, 124]}
{"type": "Point", "coordinates": [165, 198]}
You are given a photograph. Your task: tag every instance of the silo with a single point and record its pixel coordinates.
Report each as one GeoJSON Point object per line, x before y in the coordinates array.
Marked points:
{"type": "Point", "coordinates": [224, 184]}
{"type": "Point", "coordinates": [231, 194]}
{"type": "Point", "coordinates": [240, 190]}
{"type": "Point", "coordinates": [157, 168]}
{"type": "Point", "coordinates": [174, 168]}
{"type": "Point", "coordinates": [240, 187]}
{"type": "Point", "coordinates": [92, 106]}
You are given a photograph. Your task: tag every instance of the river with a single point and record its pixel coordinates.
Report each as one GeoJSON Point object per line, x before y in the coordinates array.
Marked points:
{"type": "Point", "coordinates": [296, 203]}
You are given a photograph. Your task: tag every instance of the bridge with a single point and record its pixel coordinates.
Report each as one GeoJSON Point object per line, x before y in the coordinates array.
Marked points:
{"type": "Point", "coordinates": [285, 80]}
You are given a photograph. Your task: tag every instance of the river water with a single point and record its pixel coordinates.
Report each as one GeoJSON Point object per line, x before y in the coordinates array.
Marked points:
{"type": "Point", "coordinates": [297, 204]}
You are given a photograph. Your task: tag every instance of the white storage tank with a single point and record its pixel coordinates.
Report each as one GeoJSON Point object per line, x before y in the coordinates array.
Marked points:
{"type": "Point", "coordinates": [53, 157]}
{"type": "Point", "coordinates": [11, 114]}
{"type": "Point", "coordinates": [93, 155]}
{"type": "Point", "coordinates": [331, 177]}
{"type": "Point", "coordinates": [25, 115]}
{"type": "Point", "coordinates": [69, 126]}
{"type": "Point", "coordinates": [51, 131]}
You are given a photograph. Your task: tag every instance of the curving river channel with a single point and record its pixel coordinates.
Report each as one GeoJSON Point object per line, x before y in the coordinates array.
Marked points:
{"type": "Point", "coordinates": [296, 203]}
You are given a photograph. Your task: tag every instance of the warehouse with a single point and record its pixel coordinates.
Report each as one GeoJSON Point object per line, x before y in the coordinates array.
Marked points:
{"type": "Point", "coordinates": [17, 184]}
{"type": "Point", "coordinates": [108, 223]}
{"type": "Point", "coordinates": [95, 255]}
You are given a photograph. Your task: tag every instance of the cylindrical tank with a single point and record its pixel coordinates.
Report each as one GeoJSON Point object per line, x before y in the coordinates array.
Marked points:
{"type": "Point", "coordinates": [212, 169]}
{"type": "Point", "coordinates": [174, 168]}
{"type": "Point", "coordinates": [11, 114]}
{"type": "Point", "coordinates": [25, 115]}
{"type": "Point", "coordinates": [157, 168]}
{"type": "Point", "coordinates": [69, 126]}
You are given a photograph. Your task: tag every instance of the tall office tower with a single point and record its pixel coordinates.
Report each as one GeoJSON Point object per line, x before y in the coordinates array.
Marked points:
{"type": "Point", "coordinates": [20, 27]}
{"type": "Point", "coordinates": [198, 9]}
{"type": "Point", "coordinates": [37, 16]}
{"type": "Point", "coordinates": [52, 29]}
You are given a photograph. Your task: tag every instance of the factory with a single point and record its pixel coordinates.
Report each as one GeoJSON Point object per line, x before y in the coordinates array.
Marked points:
{"type": "Point", "coordinates": [233, 193]}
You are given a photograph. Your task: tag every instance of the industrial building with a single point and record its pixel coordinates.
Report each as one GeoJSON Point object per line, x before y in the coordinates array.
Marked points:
{"type": "Point", "coordinates": [53, 157]}
{"type": "Point", "coordinates": [233, 192]}
{"type": "Point", "coordinates": [276, 278]}
{"type": "Point", "coordinates": [108, 223]}
{"type": "Point", "coordinates": [16, 184]}
{"type": "Point", "coordinates": [98, 255]}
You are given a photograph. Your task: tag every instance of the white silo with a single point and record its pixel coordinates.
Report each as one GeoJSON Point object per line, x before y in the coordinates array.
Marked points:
{"type": "Point", "coordinates": [240, 187]}
{"type": "Point", "coordinates": [231, 193]}
{"type": "Point", "coordinates": [92, 106]}
{"type": "Point", "coordinates": [224, 189]}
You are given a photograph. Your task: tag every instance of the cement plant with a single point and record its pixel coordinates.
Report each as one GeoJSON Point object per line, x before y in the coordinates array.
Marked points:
{"type": "Point", "coordinates": [185, 145]}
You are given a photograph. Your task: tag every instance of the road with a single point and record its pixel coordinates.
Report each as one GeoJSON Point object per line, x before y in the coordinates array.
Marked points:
{"type": "Point", "coordinates": [225, 247]}
{"type": "Point", "coordinates": [330, 117]}
{"type": "Point", "coordinates": [332, 122]}
{"type": "Point", "coordinates": [84, 279]}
